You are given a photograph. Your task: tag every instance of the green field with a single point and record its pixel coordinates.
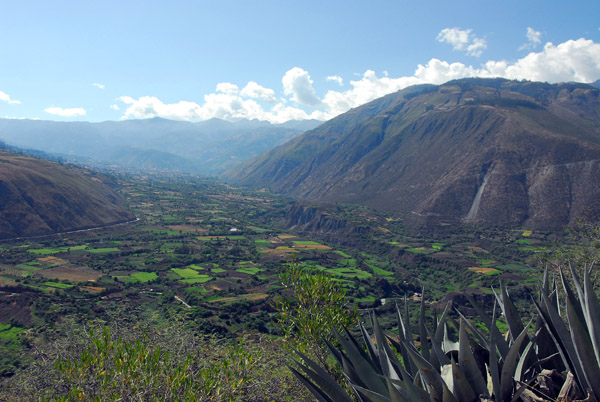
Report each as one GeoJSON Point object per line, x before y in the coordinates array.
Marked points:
{"type": "Point", "coordinates": [47, 251]}
{"type": "Point", "coordinates": [103, 250]}
{"type": "Point", "coordinates": [379, 271]}
{"type": "Point", "coordinates": [249, 270]}
{"type": "Point", "coordinates": [145, 276]}
{"type": "Point", "coordinates": [58, 285]}
{"type": "Point", "coordinates": [9, 332]}
{"type": "Point", "coordinates": [191, 276]}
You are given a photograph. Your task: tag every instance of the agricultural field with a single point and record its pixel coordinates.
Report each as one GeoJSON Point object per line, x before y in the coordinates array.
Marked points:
{"type": "Point", "coordinates": [209, 254]}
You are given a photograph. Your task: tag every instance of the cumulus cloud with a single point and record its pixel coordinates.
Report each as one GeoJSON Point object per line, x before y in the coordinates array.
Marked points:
{"type": "Point", "coordinates": [573, 60]}
{"type": "Point", "coordinates": [228, 88]}
{"type": "Point", "coordinates": [228, 103]}
{"type": "Point", "coordinates": [253, 90]}
{"type": "Point", "coordinates": [297, 82]}
{"type": "Point", "coordinates": [99, 86]}
{"type": "Point", "coordinates": [149, 106]}
{"type": "Point", "coordinates": [463, 40]}
{"type": "Point", "coordinates": [4, 97]}
{"type": "Point", "coordinates": [534, 39]}
{"type": "Point", "coordinates": [114, 107]}
{"type": "Point", "coordinates": [65, 112]}
{"type": "Point", "coordinates": [336, 78]}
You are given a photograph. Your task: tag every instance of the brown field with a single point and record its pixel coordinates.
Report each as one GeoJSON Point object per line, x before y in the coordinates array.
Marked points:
{"type": "Point", "coordinates": [482, 270]}
{"type": "Point", "coordinates": [188, 228]}
{"type": "Point", "coordinates": [212, 237]}
{"type": "Point", "coordinates": [91, 289]}
{"type": "Point", "coordinates": [7, 282]}
{"type": "Point", "coordinates": [277, 251]}
{"type": "Point", "coordinates": [313, 246]}
{"type": "Point", "coordinates": [250, 297]}
{"type": "Point", "coordinates": [286, 236]}
{"type": "Point", "coordinates": [53, 260]}
{"type": "Point", "coordinates": [70, 273]}
{"type": "Point", "coordinates": [478, 249]}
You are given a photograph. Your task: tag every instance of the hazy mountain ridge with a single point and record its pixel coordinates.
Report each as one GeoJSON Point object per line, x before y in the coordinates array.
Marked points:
{"type": "Point", "coordinates": [38, 197]}
{"type": "Point", "coordinates": [206, 147]}
{"type": "Point", "coordinates": [481, 150]}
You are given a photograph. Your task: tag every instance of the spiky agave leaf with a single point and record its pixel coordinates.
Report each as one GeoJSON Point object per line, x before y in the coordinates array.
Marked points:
{"type": "Point", "coordinates": [364, 368]}
{"type": "Point", "coordinates": [422, 330]}
{"type": "Point", "coordinates": [467, 363]}
{"type": "Point", "coordinates": [580, 335]}
{"type": "Point", "coordinates": [319, 379]}
{"type": "Point", "coordinates": [509, 367]}
{"type": "Point", "coordinates": [491, 326]}
{"type": "Point", "coordinates": [493, 360]}
{"type": "Point", "coordinates": [512, 316]}
{"type": "Point", "coordinates": [592, 313]}
{"type": "Point", "coordinates": [387, 359]}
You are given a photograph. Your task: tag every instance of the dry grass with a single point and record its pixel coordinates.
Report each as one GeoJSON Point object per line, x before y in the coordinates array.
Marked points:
{"type": "Point", "coordinates": [482, 270]}
{"type": "Point", "coordinates": [312, 246]}
{"type": "Point", "coordinates": [91, 289]}
{"type": "Point", "coordinates": [53, 260]}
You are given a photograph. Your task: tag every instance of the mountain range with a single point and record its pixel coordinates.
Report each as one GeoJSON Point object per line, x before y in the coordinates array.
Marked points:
{"type": "Point", "coordinates": [488, 151]}
{"type": "Point", "coordinates": [207, 147]}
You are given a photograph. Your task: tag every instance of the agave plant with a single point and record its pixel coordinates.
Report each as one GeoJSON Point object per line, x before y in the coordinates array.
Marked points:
{"type": "Point", "coordinates": [551, 360]}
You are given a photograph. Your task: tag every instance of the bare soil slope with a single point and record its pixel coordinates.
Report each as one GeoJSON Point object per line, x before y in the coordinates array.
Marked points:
{"type": "Point", "coordinates": [38, 197]}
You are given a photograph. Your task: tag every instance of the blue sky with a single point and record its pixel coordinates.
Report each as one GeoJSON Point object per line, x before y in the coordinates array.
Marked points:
{"type": "Point", "coordinates": [275, 59]}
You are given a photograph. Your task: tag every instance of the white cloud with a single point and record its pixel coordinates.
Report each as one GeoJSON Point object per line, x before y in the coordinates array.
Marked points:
{"type": "Point", "coordinates": [534, 38]}
{"type": "Point", "coordinates": [150, 106]}
{"type": "Point", "coordinates": [114, 107]}
{"type": "Point", "coordinates": [66, 112]}
{"type": "Point", "coordinates": [336, 78]}
{"type": "Point", "coordinates": [463, 40]}
{"type": "Point", "coordinates": [297, 82]}
{"type": "Point", "coordinates": [573, 60]}
{"type": "Point", "coordinates": [99, 86]}
{"type": "Point", "coordinates": [369, 87]}
{"type": "Point", "coordinates": [253, 90]}
{"type": "Point", "coordinates": [220, 105]}
{"type": "Point", "coordinates": [4, 97]}
{"type": "Point", "coordinates": [228, 88]}
{"type": "Point", "coordinates": [21, 118]}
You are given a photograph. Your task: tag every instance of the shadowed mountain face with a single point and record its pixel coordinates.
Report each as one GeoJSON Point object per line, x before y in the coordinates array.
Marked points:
{"type": "Point", "coordinates": [486, 151]}
{"type": "Point", "coordinates": [38, 197]}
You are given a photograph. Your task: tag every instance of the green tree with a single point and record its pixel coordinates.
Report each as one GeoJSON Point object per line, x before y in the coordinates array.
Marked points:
{"type": "Point", "coordinates": [312, 305]}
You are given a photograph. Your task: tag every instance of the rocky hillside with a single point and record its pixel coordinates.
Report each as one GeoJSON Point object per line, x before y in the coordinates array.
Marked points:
{"type": "Point", "coordinates": [38, 197]}
{"type": "Point", "coordinates": [476, 150]}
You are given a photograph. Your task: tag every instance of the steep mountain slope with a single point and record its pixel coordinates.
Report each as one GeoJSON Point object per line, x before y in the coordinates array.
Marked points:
{"type": "Point", "coordinates": [38, 197]}
{"type": "Point", "coordinates": [206, 147]}
{"type": "Point", "coordinates": [490, 151]}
